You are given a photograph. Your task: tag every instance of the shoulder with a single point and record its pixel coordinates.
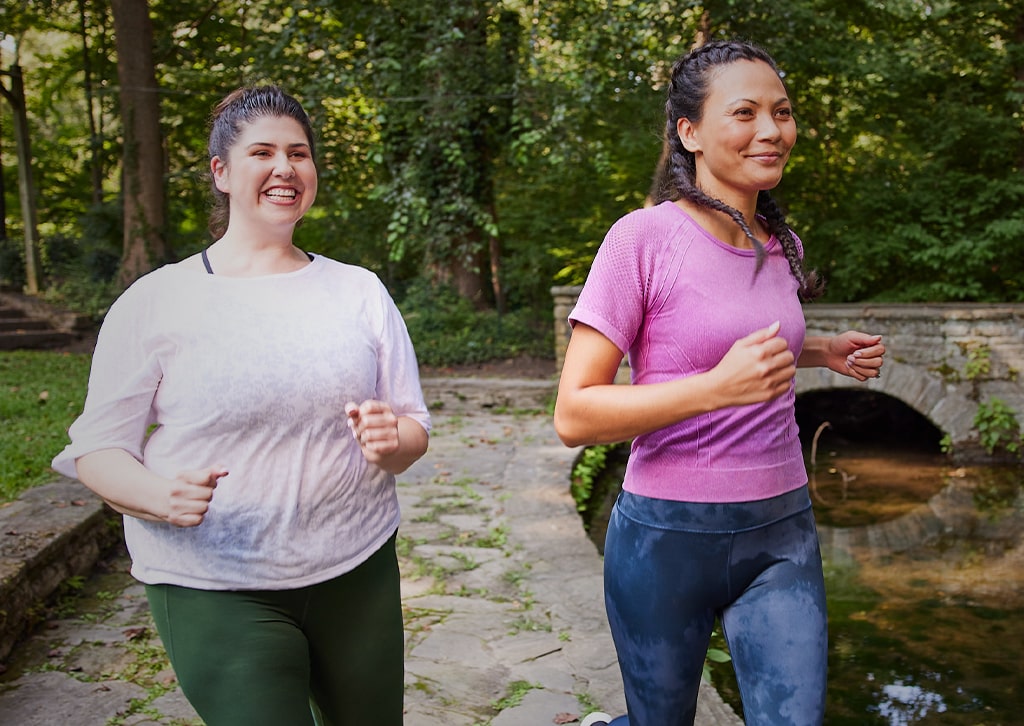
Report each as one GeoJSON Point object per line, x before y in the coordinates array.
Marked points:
{"type": "Point", "coordinates": [351, 274]}
{"type": "Point", "coordinates": [647, 234]}
{"type": "Point", "coordinates": [649, 224]}
{"type": "Point", "coordinates": [350, 279]}
{"type": "Point", "coordinates": [168, 279]}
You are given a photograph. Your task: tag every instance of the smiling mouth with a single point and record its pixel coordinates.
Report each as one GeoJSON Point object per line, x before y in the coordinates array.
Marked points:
{"type": "Point", "coordinates": [283, 194]}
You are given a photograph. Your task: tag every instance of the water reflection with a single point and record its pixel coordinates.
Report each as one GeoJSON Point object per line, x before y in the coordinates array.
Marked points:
{"type": "Point", "coordinates": [906, 704]}
{"type": "Point", "coordinates": [925, 573]}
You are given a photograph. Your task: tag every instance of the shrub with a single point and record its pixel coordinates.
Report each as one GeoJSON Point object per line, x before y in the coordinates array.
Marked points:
{"type": "Point", "coordinates": [447, 330]}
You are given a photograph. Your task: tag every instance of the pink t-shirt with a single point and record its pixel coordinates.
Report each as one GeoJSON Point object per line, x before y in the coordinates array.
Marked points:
{"type": "Point", "coordinates": [675, 299]}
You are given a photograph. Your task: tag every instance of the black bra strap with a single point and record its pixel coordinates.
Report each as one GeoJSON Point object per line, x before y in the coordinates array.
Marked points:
{"type": "Point", "coordinates": [206, 261]}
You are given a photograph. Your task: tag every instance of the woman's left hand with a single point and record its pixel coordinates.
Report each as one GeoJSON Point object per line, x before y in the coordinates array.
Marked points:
{"type": "Point", "coordinates": [375, 426]}
{"type": "Point", "coordinates": [856, 354]}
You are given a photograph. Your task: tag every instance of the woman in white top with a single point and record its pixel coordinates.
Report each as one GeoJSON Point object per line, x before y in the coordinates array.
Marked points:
{"type": "Point", "coordinates": [248, 410]}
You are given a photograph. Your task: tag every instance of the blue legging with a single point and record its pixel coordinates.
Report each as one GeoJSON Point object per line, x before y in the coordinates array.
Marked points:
{"type": "Point", "coordinates": [671, 568]}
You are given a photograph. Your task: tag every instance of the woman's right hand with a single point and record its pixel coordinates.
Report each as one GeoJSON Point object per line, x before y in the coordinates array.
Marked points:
{"type": "Point", "coordinates": [757, 368]}
{"type": "Point", "coordinates": [190, 494]}
{"type": "Point", "coordinates": [132, 489]}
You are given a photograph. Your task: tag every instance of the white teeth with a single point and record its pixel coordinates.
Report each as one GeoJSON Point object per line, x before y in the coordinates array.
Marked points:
{"type": "Point", "coordinates": [283, 193]}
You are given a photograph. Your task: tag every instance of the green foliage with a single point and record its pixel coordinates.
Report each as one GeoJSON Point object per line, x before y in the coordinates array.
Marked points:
{"type": "Point", "coordinates": [448, 130]}
{"type": "Point", "coordinates": [715, 655]}
{"type": "Point", "coordinates": [41, 393]}
{"type": "Point", "coordinates": [998, 428]}
{"type": "Point", "coordinates": [979, 363]}
{"type": "Point", "coordinates": [516, 691]}
{"type": "Point", "coordinates": [589, 466]}
{"type": "Point", "coordinates": [447, 330]}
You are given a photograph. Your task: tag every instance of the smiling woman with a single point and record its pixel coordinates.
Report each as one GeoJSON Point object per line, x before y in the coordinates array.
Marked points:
{"type": "Point", "coordinates": [702, 290]}
{"type": "Point", "coordinates": [248, 410]}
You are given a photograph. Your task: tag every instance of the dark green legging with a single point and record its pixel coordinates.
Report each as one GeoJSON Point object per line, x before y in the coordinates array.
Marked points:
{"type": "Point", "coordinates": [273, 657]}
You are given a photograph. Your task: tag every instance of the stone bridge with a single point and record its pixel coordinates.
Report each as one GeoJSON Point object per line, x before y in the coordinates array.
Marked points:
{"type": "Point", "coordinates": [943, 360]}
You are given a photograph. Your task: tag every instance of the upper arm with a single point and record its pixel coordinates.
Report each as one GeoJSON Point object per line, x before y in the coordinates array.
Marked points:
{"type": "Point", "coordinates": [590, 359]}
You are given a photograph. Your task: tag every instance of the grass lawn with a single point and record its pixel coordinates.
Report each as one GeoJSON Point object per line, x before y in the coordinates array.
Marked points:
{"type": "Point", "coordinates": [41, 393]}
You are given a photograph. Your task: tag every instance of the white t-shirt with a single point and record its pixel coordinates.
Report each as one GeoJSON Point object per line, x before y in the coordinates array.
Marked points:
{"type": "Point", "coordinates": [253, 374]}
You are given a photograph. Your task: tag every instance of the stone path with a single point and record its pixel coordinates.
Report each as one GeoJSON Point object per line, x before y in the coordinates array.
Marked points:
{"type": "Point", "coordinates": [501, 589]}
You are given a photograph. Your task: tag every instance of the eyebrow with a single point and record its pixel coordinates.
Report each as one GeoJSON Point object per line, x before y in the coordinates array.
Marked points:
{"type": "Point", "coordinates": [752, 102]}
{"type": "Point", "coordinates": [255, 144]}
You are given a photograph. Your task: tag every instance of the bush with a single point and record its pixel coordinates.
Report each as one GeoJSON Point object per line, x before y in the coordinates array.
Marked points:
{"type": "Point", "coordinates": [447, 330]}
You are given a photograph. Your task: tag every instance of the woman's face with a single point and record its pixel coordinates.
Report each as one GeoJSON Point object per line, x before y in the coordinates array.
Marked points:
{"type": "Point", "coordinates": [743, 141]}
{"type": "Point", "coordinates": [269, 175]}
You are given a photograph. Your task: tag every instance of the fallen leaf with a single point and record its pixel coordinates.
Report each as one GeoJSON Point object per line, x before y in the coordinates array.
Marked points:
{"type": "Point", "coordinates": [134, 633]}
{"type": "Point", "coordinates": [565, 718]}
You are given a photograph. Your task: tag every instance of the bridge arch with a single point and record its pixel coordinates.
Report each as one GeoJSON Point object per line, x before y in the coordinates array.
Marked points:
{"type": "Point", "coordinates": [942, 359]}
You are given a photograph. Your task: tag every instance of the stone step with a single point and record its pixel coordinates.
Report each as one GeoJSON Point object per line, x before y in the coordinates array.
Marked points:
{"type": "Point", "coordinates": [28, 323]}
{"type": "Point", "coordinates": [13, 323]}
{"type": "Point", "coordinates": [35, 339]}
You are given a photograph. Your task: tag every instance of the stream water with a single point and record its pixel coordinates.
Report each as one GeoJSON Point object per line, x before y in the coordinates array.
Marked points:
{"type": "Point", "coordinates": [924, 565]}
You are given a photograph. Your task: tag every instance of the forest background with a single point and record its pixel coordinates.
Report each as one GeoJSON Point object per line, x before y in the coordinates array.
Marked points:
{"type": "Point", "coordinates": [474, 152]}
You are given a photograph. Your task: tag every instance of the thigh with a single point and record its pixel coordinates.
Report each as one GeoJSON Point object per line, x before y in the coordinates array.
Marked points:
{"type": "Point", "coordinates": [777, 628]}
{"type": "Point", "coordinates": [357, 644]}
{"type": "Point", "coordinates": [661, 596]}
{"type": "Point", "coordinates": [240, 658]}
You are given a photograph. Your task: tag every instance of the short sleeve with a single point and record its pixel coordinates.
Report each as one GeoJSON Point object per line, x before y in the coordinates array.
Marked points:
{"type": "Point", "coordinates": [123, 381]}
{"type": "Point", "coordinates": [398, 380]}
{"type": "Point", "coordinates": [612, 300]}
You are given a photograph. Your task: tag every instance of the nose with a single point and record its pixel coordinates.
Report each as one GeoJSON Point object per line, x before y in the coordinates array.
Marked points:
{"type": "Point", "coordinates": [283, 166]}
{"type": "Point", "coordinates": [768, 127]}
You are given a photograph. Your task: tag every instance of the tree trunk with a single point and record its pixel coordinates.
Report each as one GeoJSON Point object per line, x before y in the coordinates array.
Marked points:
{"type": "Point", "coordinates": [95, 142]}
{"type": "Point", "coordinates": [469, 275]}
{"type": "Point", "coordinates": [143, 160]}
{"type": "Point", "coordinates": [26, 185]}
{"type": "Point", "coordinates": [1019, 38]}
{"type": "Point", "coordinates": [3, 198]}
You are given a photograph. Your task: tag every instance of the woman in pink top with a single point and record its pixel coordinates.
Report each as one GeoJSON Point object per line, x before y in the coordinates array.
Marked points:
{"type": "Point", "coordinates": [703, 292]}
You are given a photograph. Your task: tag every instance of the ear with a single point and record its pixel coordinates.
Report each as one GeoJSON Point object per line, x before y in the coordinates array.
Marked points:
{"type": "Point", "coordinates": [688, 135]}
{"type": "Point", "coordinates": [220, 174]}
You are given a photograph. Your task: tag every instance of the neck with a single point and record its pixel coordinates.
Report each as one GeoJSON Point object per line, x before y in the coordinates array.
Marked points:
{"type": "Point", "coordinates": [236, 256]}
{"type": "Point", "coordinates": [723, 227]}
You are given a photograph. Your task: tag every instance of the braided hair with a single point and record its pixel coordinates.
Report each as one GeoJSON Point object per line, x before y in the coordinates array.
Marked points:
{"type": "Point", "coordinates": [676, 177]}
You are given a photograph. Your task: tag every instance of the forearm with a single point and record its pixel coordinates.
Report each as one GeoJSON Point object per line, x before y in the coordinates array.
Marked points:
{"type": "Point", "coordinates": [609, 413]}
{"type": "Point", "coordinates": [851, 353]}
{"type": "Point", "coordinates": [124, 483]}
{"type": "Point", "coordinates": [412, 444]}
{"type": "Point", "coordinates": [814, 354]}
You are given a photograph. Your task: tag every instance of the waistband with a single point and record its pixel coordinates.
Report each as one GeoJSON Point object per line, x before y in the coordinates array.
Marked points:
{"type": "Point", "coordinates": [712, 516]}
